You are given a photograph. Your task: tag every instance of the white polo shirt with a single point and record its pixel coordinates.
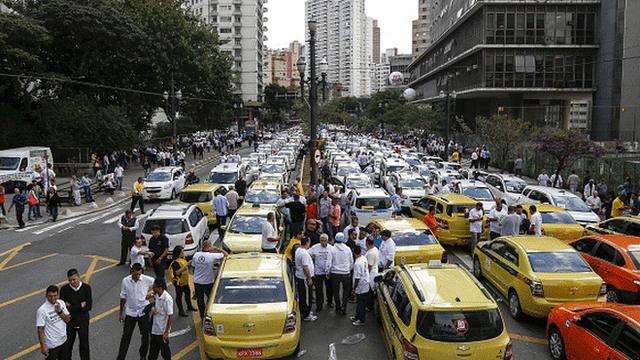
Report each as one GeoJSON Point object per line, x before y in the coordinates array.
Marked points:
{"type": "Point", "coordinates": [164, 308]}
{"type": "Point", "coordinates": [135, 293]}
{"type": "Point", "coordinates": [55, 329]}
{"type": "Point", "coordinates": [303, 259]}
{"type": "Point", "coordinates": [373, 259]}
{"type": "Point", "coordinates": [268, 232]}
{"type": "Point", "coordinates": [203, 266]}
{"type": "Point", "coordinates": [387, 252]}
{"type": "Point", "coordinates": [361, 272]}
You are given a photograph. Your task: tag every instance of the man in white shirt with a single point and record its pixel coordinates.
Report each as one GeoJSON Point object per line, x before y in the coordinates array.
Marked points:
{"type": "Point", "coordinates": [510, 224]}
{"type": "Point", "coordinates": [118, 172]}
{"type": "Point", "coordinates": [341, 264]}
{"type": "Point", "coordinates": [353, 225]}
{"type": "Point", "coordinates": [321, 254]}
{"type": "Point", "coordinates": [373, 259]}
{"type": "Point", "coordinates": [556, 183]}
{"type": "Point", "coordinates": [536, 221]}
{"type": "Point", "coordinates": [360, 286]}
{"type": "Point", "coordinates": [220, 207]}
{"type": "Point", "coordinates": [232, 198]}
{"type": "Point", "coordinates": [51, 321]}
{"type": "Point", "coordinates": [269, 238]}
{"type": "Point", "coordinates": [304, 279]}
{"type": "Point", "coordinates": [203, 272]}
{"type": "Point", "coordinates": [162, 320]}
{"type": "Point", "coordinates": [387, 250]}
{"type": "Point", "coordinates": [135, 292]}
{"type": "Point", "coordinates": [495, 217]}
{"type": "Point", "coordinates": [543, 179]}
{"type": "Point", "coordinates": [593, 202]}
{"type": "Point", "coordinates": [475, 225]}
{"type": "Point", "coordinates": [139, 252]}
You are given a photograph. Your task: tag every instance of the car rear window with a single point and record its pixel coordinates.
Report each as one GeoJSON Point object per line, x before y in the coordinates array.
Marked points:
{"type": "Point", "coordinates": [460, 326]}
{"type": "Point", "coordinates": [413, 238]}
{"type": "Point", "coordinates": [558, 262]}
{"type": "Point", "coordinates": [167, 226]}
{"type": "Point", "coordinates": [373, 203]}
{"type": "Point", "coordinates": [195, 196]}
{"type": "Point", "coordinates": [250, 291]}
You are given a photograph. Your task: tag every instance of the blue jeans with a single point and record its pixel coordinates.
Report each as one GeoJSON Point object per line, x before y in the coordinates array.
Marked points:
{"type": "Point", "coordinates": [54, 213]}
{"type": "Point", "coordinates": [87, 193]}
{"type": "Point", "coordinates": [120, 180]}
{"type": "Point", "coordinates": [34, 210]}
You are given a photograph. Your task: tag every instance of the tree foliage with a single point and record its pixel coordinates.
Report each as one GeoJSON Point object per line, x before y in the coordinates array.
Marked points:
{"type": "Point", "coordinates": [502, 135]}
{"type": "Point", "coordinates": [276, 105]}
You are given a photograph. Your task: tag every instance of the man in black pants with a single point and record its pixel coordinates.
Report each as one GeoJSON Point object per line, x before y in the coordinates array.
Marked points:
{"type": "Point", "coordinates": [203, 273]}
{"type": "Point", "coordinates": [159, 246]}
{"type": "Point", "coordinates": [77, 297]}
{"type": "Point", "coordinates": [128, 225]}
{"type": "Point", "coordinates": [135, 292]}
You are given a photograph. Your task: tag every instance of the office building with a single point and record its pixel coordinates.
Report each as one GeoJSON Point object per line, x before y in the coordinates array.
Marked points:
{"type": "Point", "coordinates": [533, 60]}
{"type": "Point", "coordinates": [240, 25]}
{"type": "Point", "coordinates": [399, 63]}
{"type": "Point", "coordinates": [376, 43]}
{"type": "Point", "coordinates": [421, 28]}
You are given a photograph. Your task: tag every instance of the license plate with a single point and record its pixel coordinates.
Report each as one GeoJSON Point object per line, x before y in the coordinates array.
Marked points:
{"type": "Point", "coordinates": [152, 196]}
{"type": "Point", "coordinates": [250, 353]}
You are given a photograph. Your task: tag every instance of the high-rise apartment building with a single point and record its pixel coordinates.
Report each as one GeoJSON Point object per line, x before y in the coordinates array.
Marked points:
{"type": "Point", "coordinates": [376, 43]}
{"type": "Point", "coordinates": [421, 28]}
{"type": "Point", "coordinates": [345, 37]}
{"type": "Point", "coordinates": [280, 66]}
{"type": "Point", "coordinates": [240, 25]}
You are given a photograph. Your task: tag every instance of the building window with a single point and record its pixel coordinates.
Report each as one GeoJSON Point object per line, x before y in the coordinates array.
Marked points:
{"type": "Point", "coordinates": [225, 18]}
{"type": "Point", "coordinates": [225, 30]}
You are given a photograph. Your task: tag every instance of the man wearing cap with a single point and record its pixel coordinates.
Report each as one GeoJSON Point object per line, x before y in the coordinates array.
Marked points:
{"type": "Point", "coordinates": [340, 264]}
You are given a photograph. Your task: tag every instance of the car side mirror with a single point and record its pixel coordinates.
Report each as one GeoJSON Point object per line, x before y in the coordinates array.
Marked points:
{"type": "Point", "coordinates": [205, 214]}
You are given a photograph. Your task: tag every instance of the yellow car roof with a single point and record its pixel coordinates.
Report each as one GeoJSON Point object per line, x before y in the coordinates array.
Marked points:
{"type": "Point", "coordinates": [265, 185]}
{"type": "Point", "coordinates": [544, 208]}
{"type": "Point", "coordinates": [539, 243]}
{"type": "Point", "coordinates": [448, 286]}
{"type": "Point", "coordinates": [401, 224]}
{"type": "Point", "coordinates": [256, 209]}
{"type": "Point", "coordinates": [251, 265]}
{"type": "Point", "coordinates": [202, 187]}
{"type": "Point", "coordinates": [456, 199]}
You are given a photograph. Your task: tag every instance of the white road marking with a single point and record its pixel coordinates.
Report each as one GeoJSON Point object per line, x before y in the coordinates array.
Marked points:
{"type": "Point", "coordinates": [179, 332]}
{"type": "Point", "coordinates": [100, 216]}
{"type": "Point", "coordinates": [65, 229]}
{"type": "Point", "coordinates": [112, 220]}
{"type": "Point", "coordinates": [54, 226]}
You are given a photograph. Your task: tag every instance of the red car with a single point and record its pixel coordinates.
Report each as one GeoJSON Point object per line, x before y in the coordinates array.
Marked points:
{"type": "Point", "coordinates": [616, 258]}
{"type": "Point", "coordinates": [594, 330]}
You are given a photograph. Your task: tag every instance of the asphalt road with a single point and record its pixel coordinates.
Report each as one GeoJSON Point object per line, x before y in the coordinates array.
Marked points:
{"type": "Point", "coordinates": [35, 257]}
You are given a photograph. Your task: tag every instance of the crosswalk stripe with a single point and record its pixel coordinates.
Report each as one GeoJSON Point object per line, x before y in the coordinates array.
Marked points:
{"type": "Point", "coordinates": [100, 216]}
{"type": "Point", "coordinates": [112, 220]}
{"type": "Point", "coordinates": [56, 225]}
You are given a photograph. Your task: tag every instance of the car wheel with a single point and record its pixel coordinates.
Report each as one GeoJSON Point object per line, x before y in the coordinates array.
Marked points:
{"type": "Point", "coordinates": [612, 294]}
{"type": "Point", "coordinates": [556, 344]}
{"type": "Point", "coordinates": [514, 305]}
{"type": "Point", "coordinates": [477, 269]}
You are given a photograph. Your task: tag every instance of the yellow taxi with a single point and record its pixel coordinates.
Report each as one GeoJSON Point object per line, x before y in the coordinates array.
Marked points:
{"type": "Point", "coordinates": [414, 241]}
{"type": "Point", "coordinates": [264, 192]}
{"type": "Point", "coordinates": [452, 217]}
{"type": "Point", "coordinates": [536, 273]}
{"type": "Point", "coordinates": [557, 222]}
{"type": "Point", "coordinates": [621, 225]}
{"type": "Point", "coordinates": [244, 232]}
{"type": "Point", "coordinates": [253, 311]}
{"type": "Point", "coordinates": [201, 195]}
{"type": "Point", "coordinates": [439, 311]}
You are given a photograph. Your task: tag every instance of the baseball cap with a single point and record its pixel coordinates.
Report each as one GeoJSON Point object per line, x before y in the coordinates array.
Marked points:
{"type": "Point", "coordinates": [340, 238]}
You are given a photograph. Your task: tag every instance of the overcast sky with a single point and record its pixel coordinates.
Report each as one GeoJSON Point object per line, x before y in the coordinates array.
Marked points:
{"type": "Point", "coordinates": [286, 22]}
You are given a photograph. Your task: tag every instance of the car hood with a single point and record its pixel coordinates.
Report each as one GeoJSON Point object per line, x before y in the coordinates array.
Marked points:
{"type": "Point", "coordinates": [584, 216]}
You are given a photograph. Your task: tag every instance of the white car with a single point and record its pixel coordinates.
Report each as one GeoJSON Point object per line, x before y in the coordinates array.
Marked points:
{"type": "Point", "coordinates": [562, 199]}
{"type": "Point", "coordinates": [448, 176]}
{"type": "Point", "coordinates": [476, 190]}
{"type": "Point", "coordinates": [184, 225]}
{"type": "Point", "coordinates": [163, 183]}
{"type": "Point", "coordinates": [508, 187]}
{"type": "Point", "coordinates": [275, 171]}
{"type": "Point", "coordinates": [359, 180]}
{"type": "Point", "coordinates": [370, 204]}
{"type": "Point", "coordinates": [412, 185]}
{"type": "Point", "coordinates": [226, 174]}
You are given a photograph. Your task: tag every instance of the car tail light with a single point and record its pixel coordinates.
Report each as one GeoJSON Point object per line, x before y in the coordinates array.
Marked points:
{"type": "Point", "coordinates": [290, 323]}
{"type": "Point", "coordinates": [444, 258]}
{"type": "Point", "coordinates": [409, 350]}
{"type": "Point", "coordinates": [188, 240]}
{"type": "Point", "coordinates": [603, 290]}
{"type": "Point", "coordinates": [508, 352]}
{"type": "Point", "coordinates": [207, 326]}
{"type": "Point", "coordinates": [537, 289]}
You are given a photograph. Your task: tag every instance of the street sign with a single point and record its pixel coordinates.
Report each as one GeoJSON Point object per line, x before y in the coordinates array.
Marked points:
{"type": "Point", "coordinates": [318, 156]}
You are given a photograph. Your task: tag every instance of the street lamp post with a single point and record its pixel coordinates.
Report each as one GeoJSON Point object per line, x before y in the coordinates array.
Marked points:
{"type": "Point", "coordinates": [172, 102]}
{"type": "Point", "coordinates": [447, 98]}
{"type": "Point", "coordinates": [324, 68]}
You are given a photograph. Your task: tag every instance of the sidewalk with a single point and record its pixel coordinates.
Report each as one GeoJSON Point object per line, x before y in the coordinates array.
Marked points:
{"type": "Point", "coordinates": [102, 200]}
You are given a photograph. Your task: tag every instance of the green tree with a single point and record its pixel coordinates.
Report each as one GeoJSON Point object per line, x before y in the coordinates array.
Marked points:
{"type": "Point", "coordinates": [276, 103]}
{"type": "Point", "coordinates": [502, 135]}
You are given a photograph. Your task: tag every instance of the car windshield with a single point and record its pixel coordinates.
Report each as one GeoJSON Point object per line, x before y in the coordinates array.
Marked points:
{"type": "Point", "coordinates": [373, 203]}
{"type": "Point", "coordinates": [247, 225]}
{"type": "Point", "coordinates": [557, 217]}
{"type": "Point", "coordinates": [411, 183]}
{"type": "Point", "coordinates": [167, 226]}
{"type": "Point", "coordinates": [413, 161]}
{"type": "Point", "coordinates": [460, 326]}
{"type": "Point", "coordinates": [480, 194]}
{"type": "Point", "coordinates": [451, 177]}
{"type": "Point", "coordinates": [9, 163]}
{"type": "Point", "coordinates": [195, 196]}
{"type": "Point", "coordinates": [262, 197]}
{"type": "Point", "coordinates": [515, 186]}
{"type": "Point", "coordinates": [394, 168]}
{"type": "Point", "coordinates": [558, 262]}
{"type": "Point", "coordinates": [158, 176]}
{"type": "Point", "coordinates": [273, 168]}
{"type": "Point", "coordinates": [223, 178]}
{"type": "Point", "coordinates": [250, 291]}
{"type": "Point", "coordinates": [346, 170]}
{"type": "Point", "coordinates": [635, 256]}
{"type": "Point", "coordinates": [459, 209]}
{"type": "Point", "coordinates": [358, 183]}
{"type": "Point", "coordinates": [571, 203]}
{"type": "Point", "coordinates": [413, 238]}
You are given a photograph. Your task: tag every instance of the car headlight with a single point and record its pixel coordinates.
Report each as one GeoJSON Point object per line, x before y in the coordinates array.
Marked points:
{"type": "Point", "coordinates": [166, 186]}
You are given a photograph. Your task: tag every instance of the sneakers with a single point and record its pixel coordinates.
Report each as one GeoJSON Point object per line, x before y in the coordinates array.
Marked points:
{"type": "Point", "coordinates": [352, 318]}
{"type": "Point", "coordinates": [311, 317]}
{"type": "Point", "coordinates": [358, 323]}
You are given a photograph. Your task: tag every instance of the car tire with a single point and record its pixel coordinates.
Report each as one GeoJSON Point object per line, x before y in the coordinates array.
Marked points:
{"type": "Point", "coordinates": [477, 268]}
{"type": "Point", "coordinates": [515, 308]}
{"type": "Point", "coordinates": [612, 294]}
{"type": "Point", "coordinates": [556, 344]}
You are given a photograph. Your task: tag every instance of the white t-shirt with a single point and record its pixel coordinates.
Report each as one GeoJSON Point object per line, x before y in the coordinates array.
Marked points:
{"type": "Point", "coordinates": [303, 259]}
{"type": "Point", "coordinates": [536, 221]}
{"type": "Point", "coordinates": [136, 256]}
{"type": "Point", "coordinates": [55, 329]}
{"type": "Point", "coordinates": [373, 258]}
{"type": "Point", "coordinates": [135, 293]}
{"type": "Point", "coordinates": [322, 257]}
{"type": "Point", "coordinates": [164, 308]}
{"type": "Point", "coordinates": [361, 272]}
{"type": "Point", "coordinates": [476, 226]}
{"type": "Point", "coordinates": [118, 171]}
{"type": "Point", "coordinates": [203, 266]}
{"type": "Point", "coordinates": [387, 252]}
{"type": "Point", "coordinates": [543, 179]}
{"type": "Point", "coordinates": [268, 232]}
{"type": "Point", "coordinates": [495, 226]}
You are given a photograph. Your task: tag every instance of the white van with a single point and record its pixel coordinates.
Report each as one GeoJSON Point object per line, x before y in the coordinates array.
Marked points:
{"type": "Point", "coordinates": [370, 204]}
{"type": "Point", "coordinates": [17, 165]}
